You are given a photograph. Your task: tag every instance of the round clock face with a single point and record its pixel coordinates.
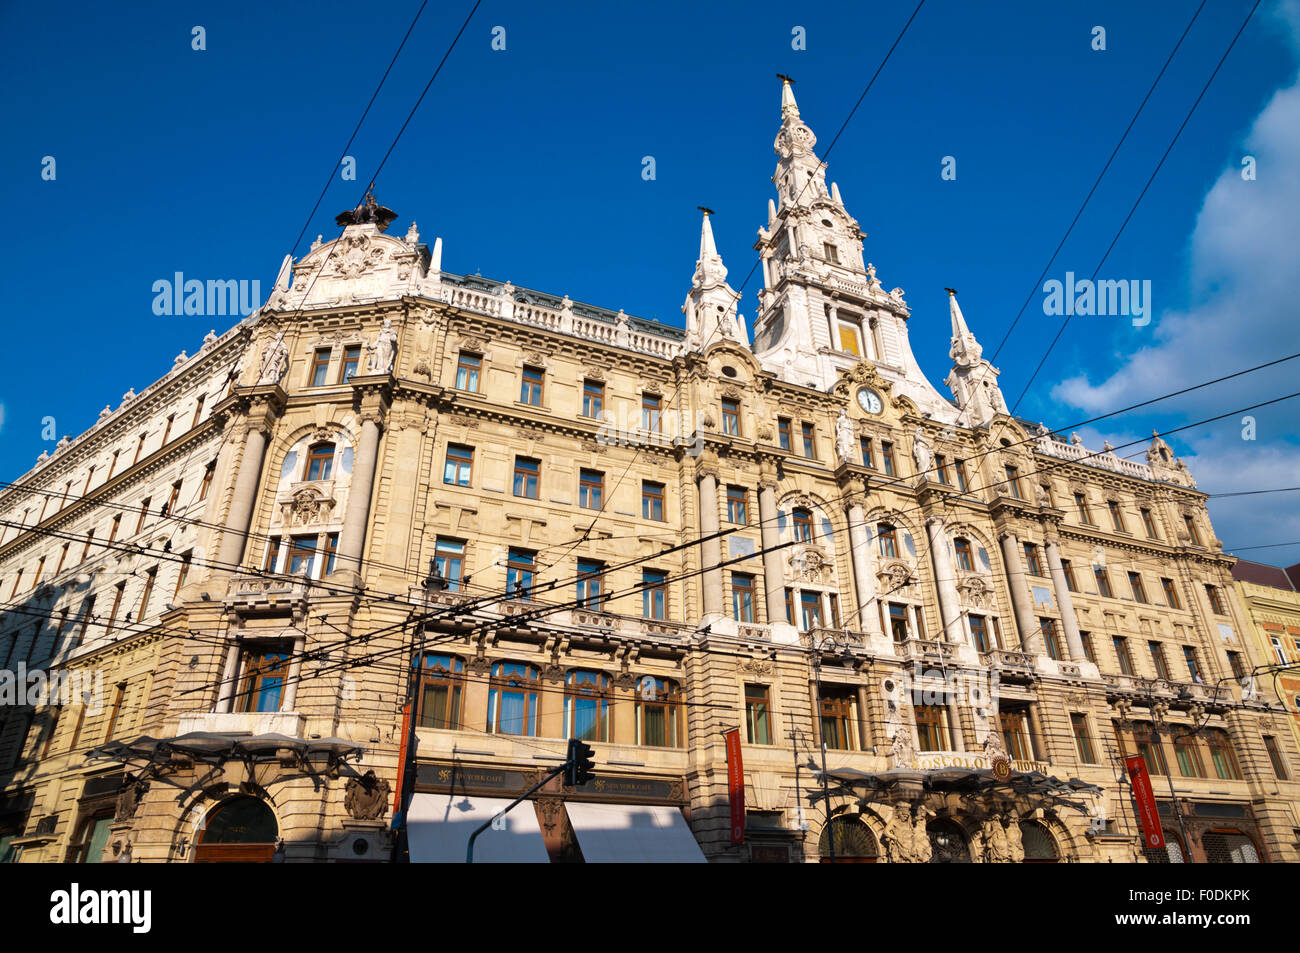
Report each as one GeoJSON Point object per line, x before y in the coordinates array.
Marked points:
{"type": "Point", "coordinates": [869, 400]}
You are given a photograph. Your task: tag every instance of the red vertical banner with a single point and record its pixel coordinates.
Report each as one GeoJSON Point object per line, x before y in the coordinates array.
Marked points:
{"type": "Point", "coordinates": [735, 785]}
{"type": "Point", "coordinates": [1152, 835]}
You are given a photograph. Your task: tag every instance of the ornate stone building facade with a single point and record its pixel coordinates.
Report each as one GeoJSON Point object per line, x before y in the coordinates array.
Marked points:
{"type": "Point", "coordinates": [546, 519]}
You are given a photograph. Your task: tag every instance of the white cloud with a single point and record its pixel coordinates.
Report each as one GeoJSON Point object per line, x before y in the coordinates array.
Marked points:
{"type": "Point", "coordinates": [1244, 297]}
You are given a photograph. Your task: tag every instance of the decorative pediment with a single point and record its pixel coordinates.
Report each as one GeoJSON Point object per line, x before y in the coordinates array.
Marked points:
{"type": "Point", "coordinates": [861, 374]}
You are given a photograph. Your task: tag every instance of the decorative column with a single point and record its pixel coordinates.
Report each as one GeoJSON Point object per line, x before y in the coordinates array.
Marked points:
{"type": "Point", "coordinates": [954, 724]}
{"type": "Point", "coordinates": [945, 581]}
{"type": "Point", "coordinates": [1030, 639]}
{"type": "Point", "coordinates": [295, 672]}
{"type": "Point", "coordinates": [235, 538]}
{"type": "Point", "coordinates": [770, 536]}
{"type": "Point", "coordinates": [226, 690]}
{"type": "Point", "coordinates": [863, 557]}
{"type": "Point", "coordinates": [353, 535]}
{"type": "Point", "coordinates": [710, 548]}
{"type": "Point", "coordinates": [1073, 641]}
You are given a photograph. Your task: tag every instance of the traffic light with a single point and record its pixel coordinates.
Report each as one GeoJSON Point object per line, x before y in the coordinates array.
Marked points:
{"type": "Point", "coordinates": [577, 768]}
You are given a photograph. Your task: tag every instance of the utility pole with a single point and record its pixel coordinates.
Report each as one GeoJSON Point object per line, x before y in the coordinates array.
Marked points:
{"type": "Point", "coordinates": [432, 583]}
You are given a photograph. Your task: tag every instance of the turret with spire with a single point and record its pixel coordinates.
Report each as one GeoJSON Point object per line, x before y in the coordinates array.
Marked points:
{"type": "Point", "coordinates": [973, 380]}
{"type": "Point", "coordinates": [710, 306]}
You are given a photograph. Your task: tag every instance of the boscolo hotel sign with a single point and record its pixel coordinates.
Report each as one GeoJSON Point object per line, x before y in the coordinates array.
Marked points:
{"type": "Point", "coordinates": [933, 760]}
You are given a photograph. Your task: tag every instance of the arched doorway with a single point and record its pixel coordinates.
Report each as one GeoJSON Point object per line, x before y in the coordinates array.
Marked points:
{"type": "Point", "coordinates": [1039, 844]}
{"type": "Point", "coordinates": [948, 844]}
{"type": "Point", "coordinates": [239, 830]}
{"type": "Point", "coordinates": [1229, 847]}
{"type": "Point", "coordinates": [854, 842]}
{"type": "Point", "coordinates": [1171, 853]}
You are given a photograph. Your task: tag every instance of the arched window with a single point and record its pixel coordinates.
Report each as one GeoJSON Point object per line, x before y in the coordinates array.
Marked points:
{"type": "Point", "coordinates": [586, 706]}
{"type": "Point", "coordinates": [513, 699]}
{"type": "Point", "coordinates": [241, 829]}
{"type": "Point", "coordinates": [320, 461]}
{"type": "Point", "coordinates": [1171, 853]}
{"type": "Point", "coordinates": [1039, 844]}
{"type": "Point", "coordinates": [888, 540]}
{"type": "Point", "coordinates": [442, 684]}
{"type": "Point", "coordinates": [1229, 847]}
{"type": "Point", "coordinates": [961, 546]}
{"type": "Point", "coordinates": [658, 713]}
{"type": "Point", "coordinates": [948, 844]}
{"type": "Point", "coordinates": [854, 842]}
{"type": "Point", "coordinates": [803, 525]}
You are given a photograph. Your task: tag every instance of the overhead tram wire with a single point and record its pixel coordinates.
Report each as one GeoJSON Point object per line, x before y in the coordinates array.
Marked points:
{"type": "Point", "coordinates": [1138, 201]}
{"type": "Point", "coordinates": [1100, 176]}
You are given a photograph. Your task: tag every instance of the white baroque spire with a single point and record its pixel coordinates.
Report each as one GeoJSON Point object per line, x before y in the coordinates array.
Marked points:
{"type": "Point", "coordinates": [710, 306]}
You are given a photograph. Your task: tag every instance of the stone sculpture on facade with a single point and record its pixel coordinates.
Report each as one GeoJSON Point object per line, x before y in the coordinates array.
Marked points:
{"type": "Point", "coordinates": [274, 362]}
{"type": "Point", "coordinates": [384, 351]}
{"type": "Point", "coordinates": [845, 437]}
{"type": "Point", "coordinates": [922, 452]}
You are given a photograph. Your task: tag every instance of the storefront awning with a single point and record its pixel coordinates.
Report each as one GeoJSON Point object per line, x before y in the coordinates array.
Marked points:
{"type": "Point", "coordinates": [439, 825]}
{"type": "Point", "coordinates": [633, 833]}
{"type": "Point", "coordinates": [214, 746]}
{"type": "Point", "coordinates": [964, 781]}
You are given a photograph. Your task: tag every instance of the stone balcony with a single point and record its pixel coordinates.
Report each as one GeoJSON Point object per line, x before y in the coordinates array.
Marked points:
{"type": "Point", "coordinates": [288, 723]}
{"type": "Point", "coordinates": [1004, 660]}
{"type": "Point", "coordinates": [255, 592]}
{"type": "Point", "coordinates": [926, 650]}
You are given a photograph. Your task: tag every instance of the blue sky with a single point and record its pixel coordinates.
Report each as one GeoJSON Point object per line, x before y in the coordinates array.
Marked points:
{"type": "Point", "coordinates": [528, 163]}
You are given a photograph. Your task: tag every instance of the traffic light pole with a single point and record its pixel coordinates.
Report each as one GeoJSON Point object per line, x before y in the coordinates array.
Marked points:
{"type": "Point", "coordinates": [469, 850]}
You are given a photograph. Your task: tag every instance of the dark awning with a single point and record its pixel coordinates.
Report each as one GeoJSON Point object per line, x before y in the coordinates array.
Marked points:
{"type": "Point", "coordinates": [965, 781]}
{"type": "Point", "coordinates": [215, 746]}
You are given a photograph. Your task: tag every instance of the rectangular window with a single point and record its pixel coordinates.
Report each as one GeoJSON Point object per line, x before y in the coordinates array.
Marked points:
{"type": "Point", "coordinates": [929, 728]}
{"type": "Point", "coordinates": [737, 510]}
{"type": "Point", "coordinates": [116, 710]}
{"type": "Point", "coordinates": [112, 464]}
{"type": "Point", "coordinates": [118, 591]}
{"type": "Point", "coordinates": [1116, 517]}
{"type": "Point", "coordinates": [803, 526]}
{"type": "Point", "coordinates": [887, 457]}
{"type": "Point", "coordinates": [265, 672]}
{"type": "Point", "coordinates": [980, 631]}
{"type": "Point", "coordinates": [654, 594]}
{"type": "Point", "coordinates": [898, 622]}
{"type": "Point", "coordinates": [183, 575]}
{"type": "Point", "coordinates": [591, 489]}
{"type": "Point", "coordinates": [1188, 758]}
{"type": "Point", "coordinates": [167, 431]}
{"type": "Point", "coordinates": [742, 597]}
{"type": "Point", "coordinates": [459, 465]}
{"type": "Point", "coordinates": [1221, 754]}
{"type": "Point", "coordinates": [320, 365]}
{"type": "Point", "coordinates": [810, 610]}
{"type": "Point", "coordinates": [756, 715]}
{"type": "Point", "coordinates": [530, 386]}
{"type": "Point", "coordinates": [302, 555]}
{"type": "Point", "coordinates": [849, 338]}
{"type": "Point", "coordinates": [527, 474]}
{"type": "Point", "coordinates": [320, 461]}
{"type": "Point", "coordinates": [868, 460]}
{"type": "Point", "coordinates": [144, 512]}
{"type": "Point", "coordinates": [1068, 570]}
{"type": "Point", "coordinates": [1191, 530]}
{"type": "Point", "coordinates": [441, 689]}
{"type": "Point", "coordinates": [520, 571]}
{"type": "Point", "coordinates": [593, 398]}
{"type": "Point", "coordinates": [1158, 660]}
{"type": "Point", "coordinates": [1032, 561]}
{"type": "Point", "coordinates": [351, 362]}
{"type": "Point", "coordinates": [591, 585]}
{"type": "Point", "coordinates": [272, 554]}
{"type": "Point", "coordinates": [832, 255]}
{"type": "Point", "coordinates": [331, 551]}
{"type": "Point", "coordinates": [1013, 483]}
{"type": "Point", "coordinates": [809, 441]}
{"type": "Point", "coordinates": [1103, 581]}
{"type": "Point", "coordinates": [1171, 593]}
{"type": "Point", "coordinates": [90, 475]}
{"type": "Point", "coordinates": [651, 412]}
{"type": "Point", "coordinates": [207, 481]}
{"type": "Point", "coordinates": [789, 605]}
{"type": "Point", "coordinates": [87, 611]}
{"type": "Point", "coordinates": [1085, 514]}
{"type": "Point", "coordinates": [1122, 656]}
{"type": "Point", "coordinates": [731, 417]}
{"type": "Point", "coordinates": [1051, 640]}
{"type": "Point", "coordinates": [63, 557]}
{"type": "Point", "coordinates": [1082, 743]}
{"type": "Point", "coordinates": [1089, 652]}
{"type": "Point", "coordinates": [150, 577]}
{"type": "Point", "coordinates": [449, 561]}
{"type": "Point", "coordinates": [1149, 523]}
{"type": "Point", "coordinates": [959, 470]}
{"type": "Point", "coordinates": [1151, 749]}
{"type": "Point", "coordinates": [85, 550]}
{"type": "Point", "coordinates": [1216, 603]}
{"type": "Point", "coordinates": [941, 468]}
{"type": "Point", "coordinates": [961, 548]}
{"type": "Point", "coordinates": [467, 371]}
{"type": "Point", "coordinates": [138, 448]}
{"type": "Point", "coordinates": [1139, 590]}
{"type": "Point", "coordinates": [888, 540]}
{"type": "Point", "coordinates": [652, 501]}
{"type": "Point", "coordinates": [836, 710]}
{"type": "Point", "coordinates": [1234, 662]}
{"type": "Point", "coordinates": [1275, 756]}
{"type": "Point", "coordinates": [170, 505]}
{"type": "Point", "coordinates": [1193, 667]}
{"type": "Point", "coordinates": [783, 432]}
